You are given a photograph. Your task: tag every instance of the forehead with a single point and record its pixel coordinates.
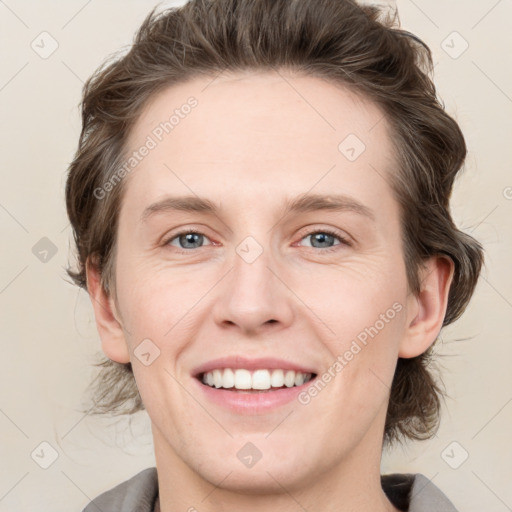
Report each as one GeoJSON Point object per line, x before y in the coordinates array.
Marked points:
{"type": "Point", "coordinates": [270, 132]}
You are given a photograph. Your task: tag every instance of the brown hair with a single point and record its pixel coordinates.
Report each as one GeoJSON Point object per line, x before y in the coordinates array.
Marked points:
{"type": "Point", "coordinates": [360, 47]}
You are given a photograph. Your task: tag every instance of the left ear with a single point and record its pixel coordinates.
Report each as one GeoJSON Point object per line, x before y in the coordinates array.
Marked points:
{"type": "Point", "coordinates": [427, 309]}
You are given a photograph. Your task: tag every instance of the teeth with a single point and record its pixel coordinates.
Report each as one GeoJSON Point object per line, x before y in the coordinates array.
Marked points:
{"type": "Point", "coordinates": [217, 378]}
{"type": "Point", "coordinates": [289, 378]}
{"type": "Point", "coordinates": [299, 379]}
{"type": "Point", "coordinates": [258, 379]}
{"type": "Point", "coordinates": [277, 379]}
{"type": "Point", "coordinates": [228, 379]}
{"type": "Point", "coordinates": [243, 379]}
{"type": "Point", "coordinates": [261, 379]}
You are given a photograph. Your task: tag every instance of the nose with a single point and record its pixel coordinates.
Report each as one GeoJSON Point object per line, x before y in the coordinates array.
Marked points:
{"type": "Point", "coordinates": [254, 296]}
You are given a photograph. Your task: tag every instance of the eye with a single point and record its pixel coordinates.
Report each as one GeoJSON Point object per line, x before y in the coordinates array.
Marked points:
{"type": "Point", "coordinates": [187, 240]}
{"type": "Point", "coordinates": [324, 239]}
{"type": "Point", "coordinates": [320, 239]}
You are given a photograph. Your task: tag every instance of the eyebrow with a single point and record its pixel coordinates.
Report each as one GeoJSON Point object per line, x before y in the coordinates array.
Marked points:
{"type": "Point", "coordinates": [302, 204]}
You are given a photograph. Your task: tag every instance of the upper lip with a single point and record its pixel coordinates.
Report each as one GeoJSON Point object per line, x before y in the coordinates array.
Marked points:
{"type": "Point", "coordinates": [240, 362]}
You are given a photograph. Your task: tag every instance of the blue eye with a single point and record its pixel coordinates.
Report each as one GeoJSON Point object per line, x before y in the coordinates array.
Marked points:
{"type": "Point", "coordinates": [325, 239]}
{"type": "Point", "coordinates": [187, 239]}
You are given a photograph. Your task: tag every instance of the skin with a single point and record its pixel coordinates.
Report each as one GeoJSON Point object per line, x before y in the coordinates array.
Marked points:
{"type": "Point", "coordinates": [254, 141]}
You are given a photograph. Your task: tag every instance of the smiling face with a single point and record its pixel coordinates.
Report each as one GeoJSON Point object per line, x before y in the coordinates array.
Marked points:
{"type": "Point", "coordinates": [271, 281]}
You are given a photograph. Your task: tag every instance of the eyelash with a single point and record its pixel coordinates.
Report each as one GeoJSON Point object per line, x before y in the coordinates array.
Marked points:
{"type": "Point", "coordinates": [335, 234]}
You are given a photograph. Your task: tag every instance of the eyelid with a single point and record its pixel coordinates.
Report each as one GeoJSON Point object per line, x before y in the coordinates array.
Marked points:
{"type": "Point", "coordinates": [344, 241]}
{"type": "Point", "coordinates": [343, 238]}
{"type": "Point", "coordinates": [341, 235]}
{"type": "Point", "coordinates": [166, 240]}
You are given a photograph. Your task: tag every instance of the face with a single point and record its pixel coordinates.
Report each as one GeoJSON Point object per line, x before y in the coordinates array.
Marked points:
{"type": "Point", "coordinates": [292, 263]}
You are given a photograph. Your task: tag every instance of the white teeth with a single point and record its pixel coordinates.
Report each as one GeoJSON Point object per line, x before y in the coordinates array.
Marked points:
{"type": "Point", "coordinates": [242, 379]}
{"type": "Point", "coordinates": [299, 379]}
{"type": "Point", "coordinates": [217, 378]}
{"type": "Point", "coordinates": [228, 379]}
{"type": "Point", "coordinates": [289, 378]}
{"type": "Point", "coordinates": [261, 379]}
{"type": "Point", "coordinates": [258, 379]}
{"type": "Point", "coordinates": [277, 379]}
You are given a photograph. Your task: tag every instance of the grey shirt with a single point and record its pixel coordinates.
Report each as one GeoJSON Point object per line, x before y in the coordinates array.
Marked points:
{"type": "Point", "coordinates": [408, 492]}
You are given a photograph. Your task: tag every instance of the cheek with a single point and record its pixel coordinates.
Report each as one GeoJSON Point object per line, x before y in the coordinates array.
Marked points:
{"type": "Point", "coordinates": [351, 297]}
{"type": "Point", "coordinates": [361, 369]}
{"type": "Point", "coordinates": [362, 322]}
{"type": "Point", "coordinates": [153, 298]}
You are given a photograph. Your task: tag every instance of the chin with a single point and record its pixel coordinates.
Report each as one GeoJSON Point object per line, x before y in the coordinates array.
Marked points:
{"type": "Point", "coordinates": [261, 479]}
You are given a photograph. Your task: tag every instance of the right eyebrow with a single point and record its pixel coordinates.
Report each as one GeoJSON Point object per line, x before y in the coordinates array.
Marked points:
{"type": "Point", "coordinates": [180, 203]}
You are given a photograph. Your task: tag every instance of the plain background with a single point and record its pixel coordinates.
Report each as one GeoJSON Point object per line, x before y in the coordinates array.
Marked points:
{"type": "Point", "coordinates": [48, 332]}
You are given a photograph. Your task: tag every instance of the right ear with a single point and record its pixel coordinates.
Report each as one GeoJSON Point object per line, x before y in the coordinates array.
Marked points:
{"type": "Point", "coordinates": [109, 327]}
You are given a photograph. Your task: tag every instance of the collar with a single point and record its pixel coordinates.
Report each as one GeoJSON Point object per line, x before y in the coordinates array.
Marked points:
{"type": "Point", "coordinates": [408, 492]}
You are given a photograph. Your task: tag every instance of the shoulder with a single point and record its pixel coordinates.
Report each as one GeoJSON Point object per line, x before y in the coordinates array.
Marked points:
{"type": "Point", "coordinates": [415, 493]}
{"type": "Point", "coordinates": [426, 496]}
{"type": "Point", "coordinates": [136, 494]}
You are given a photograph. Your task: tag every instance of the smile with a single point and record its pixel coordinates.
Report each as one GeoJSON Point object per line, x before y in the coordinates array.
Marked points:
{"type": "Point", "coordinates": [252, 386]}
{"type": "Point", "coordinates": [257, 380]}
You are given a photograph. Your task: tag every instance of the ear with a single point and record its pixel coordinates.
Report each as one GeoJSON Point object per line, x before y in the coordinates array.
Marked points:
{"type": "Point", "coordinates": [427, 309]}
{"type": "Point", "coordinates": [109, 327]}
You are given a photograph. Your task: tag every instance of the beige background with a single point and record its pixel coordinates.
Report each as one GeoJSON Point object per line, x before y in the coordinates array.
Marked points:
{"type": "Point", "coordinates": [48, 334]}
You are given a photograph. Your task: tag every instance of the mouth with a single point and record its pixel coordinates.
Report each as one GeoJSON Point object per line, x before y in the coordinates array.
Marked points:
{"type": "Point", "coordinates": [262, 380]}
{"type": "Point", "coordinates": [252, 386]}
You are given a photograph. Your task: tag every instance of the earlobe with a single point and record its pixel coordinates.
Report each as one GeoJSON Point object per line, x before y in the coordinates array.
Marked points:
{"type": "Point", "coordinates": [111, 332]}
{"type": "Point", "coordinates": [429, 307]}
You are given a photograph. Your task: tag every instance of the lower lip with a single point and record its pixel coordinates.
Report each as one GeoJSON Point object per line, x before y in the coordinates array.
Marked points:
{"type": "Point", "coordinates": [251, 402]}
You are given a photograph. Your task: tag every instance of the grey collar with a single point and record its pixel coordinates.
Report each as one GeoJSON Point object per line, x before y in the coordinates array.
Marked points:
{"type": "Point", "coordinates": [408, 492]}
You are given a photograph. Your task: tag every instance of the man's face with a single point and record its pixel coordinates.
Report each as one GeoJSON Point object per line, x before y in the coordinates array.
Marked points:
{"type": "Point", "coordinates": [261, 287]}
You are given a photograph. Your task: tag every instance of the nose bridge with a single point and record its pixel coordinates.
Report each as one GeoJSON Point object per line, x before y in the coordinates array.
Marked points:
{"type": "Point", "coordinates": [253, 295]}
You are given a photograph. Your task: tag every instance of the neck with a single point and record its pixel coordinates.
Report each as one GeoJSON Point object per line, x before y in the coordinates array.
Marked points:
{"type": "Point", "coordinates": [352, 485]}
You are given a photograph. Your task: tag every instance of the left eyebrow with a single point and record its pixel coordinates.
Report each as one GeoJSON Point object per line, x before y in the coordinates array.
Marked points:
{"type": "Point", "coordinates": [336, 202]}
{"type": "Point", "coordinates": [301, 204]}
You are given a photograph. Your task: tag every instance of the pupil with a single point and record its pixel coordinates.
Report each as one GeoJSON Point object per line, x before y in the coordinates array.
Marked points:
{"type": "Point", "coordinates": [191, 238]}
{"type": "Point", "coordinates": [322, 238]}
